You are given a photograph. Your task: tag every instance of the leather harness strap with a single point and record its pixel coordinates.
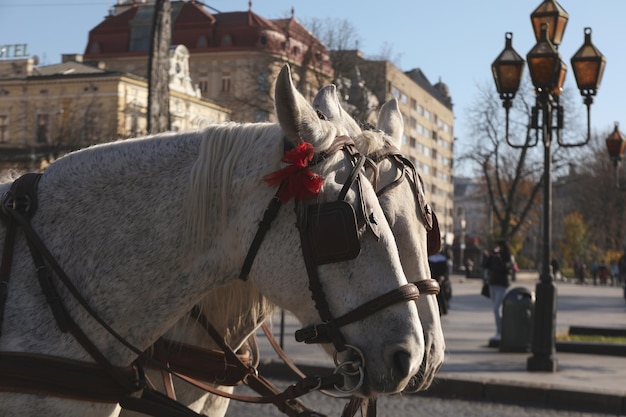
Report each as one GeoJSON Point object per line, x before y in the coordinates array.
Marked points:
{"type": "Point", "coordinates": [42, 374]}
{"type": "Point", "coordinates": [290, 406]}
{"type": "Point", "coordinates": [22, 197]}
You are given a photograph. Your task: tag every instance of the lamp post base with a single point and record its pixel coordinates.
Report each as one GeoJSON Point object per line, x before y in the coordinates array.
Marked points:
{"type": "Point", "coordinates": [541, 364]}
{"type": "Point", "coordinates": [544, 325]}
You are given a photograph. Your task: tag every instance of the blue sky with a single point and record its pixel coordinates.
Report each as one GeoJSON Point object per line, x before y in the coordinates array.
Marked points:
{"type": "Point", "coordinates": [454, 41]}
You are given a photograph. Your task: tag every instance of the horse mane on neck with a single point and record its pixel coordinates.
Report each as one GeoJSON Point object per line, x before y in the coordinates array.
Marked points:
{"type": "Point", "coordinates": [236, 309]}
{"type": "Point", "coordinates": [223, 149]}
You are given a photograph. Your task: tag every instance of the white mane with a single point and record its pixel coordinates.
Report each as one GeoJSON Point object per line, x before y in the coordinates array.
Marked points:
{"type": "Point", "coordinates": [223, 149]}
{"type": "Point", "coordinates": [371, 141]}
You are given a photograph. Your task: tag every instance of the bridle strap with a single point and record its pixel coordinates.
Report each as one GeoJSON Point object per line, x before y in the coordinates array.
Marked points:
{"type": "Point", "coordinates": [428, 286]}
{"type": "Point", "coordinates": [264, 225]}
{"type": "Point", "coordinates": [323, 333]}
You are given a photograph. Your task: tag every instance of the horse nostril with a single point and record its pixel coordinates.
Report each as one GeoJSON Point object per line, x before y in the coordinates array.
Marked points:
{"type": "Point", "coordinates": [402, 363]}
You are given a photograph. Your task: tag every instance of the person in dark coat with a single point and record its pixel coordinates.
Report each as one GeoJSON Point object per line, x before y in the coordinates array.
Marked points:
{"type": "Point", "coordinates": [440, 271]}
{"type": "Point", "coordinates": [499, 265]}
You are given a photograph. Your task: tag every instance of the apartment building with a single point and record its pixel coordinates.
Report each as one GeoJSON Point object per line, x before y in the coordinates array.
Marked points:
{"type": "Point", "coordinates": [428, 139]}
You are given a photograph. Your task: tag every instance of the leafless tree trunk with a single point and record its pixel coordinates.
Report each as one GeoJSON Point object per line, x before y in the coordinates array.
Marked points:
{"type": "Point", "coordinates": [158, 69]}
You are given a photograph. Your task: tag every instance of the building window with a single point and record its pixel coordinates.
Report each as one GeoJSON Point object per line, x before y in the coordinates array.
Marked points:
{"type": "Point", "coordinates": [95, 48]}
{"type": "Point", "coordinates": [414, 104]}
{"type": "Point", "coordinates": [261, 116]}
{"type": "Point", "coordinates": [226, 40]}
{"type": "Point", "coordinates": [43, 128]}
{"type": "Point", "coordinates": [226, 82]}
{"type": "Point", "coordinates": [4, 128]}
{"type": "Point", "coordinates": [203, 83]}
{"type": "Point", "coordinates": [413, 142]}
{"type": "Point", "coordinates": [395, 92]}
{"type": "Point", "coordinates": [91, 126]}
{"type": "Point", "coordinates": [404, 99]}
{"type": "Point", "coordinates": [427, 114]}
{"type": "Point", "coordinates": [420, 110]}
{"type": "Point", "coordinates": [262, 82]}
{"type": "Point", "coordinates": [132, 124]}
{"type": "Point", "coordinates": [202, 42]}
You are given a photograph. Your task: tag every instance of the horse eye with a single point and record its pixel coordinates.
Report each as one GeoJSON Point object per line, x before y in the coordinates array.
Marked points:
{"type": "Point", "coordinates": [320, 115]}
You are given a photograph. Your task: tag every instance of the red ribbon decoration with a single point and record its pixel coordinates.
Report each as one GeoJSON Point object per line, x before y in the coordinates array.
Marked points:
{"type": "Point", "coordinates": [294, 180]}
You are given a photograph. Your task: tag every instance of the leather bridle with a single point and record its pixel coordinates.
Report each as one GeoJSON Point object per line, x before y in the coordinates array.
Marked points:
{"type": "Point", "coordinates": [329, 329]}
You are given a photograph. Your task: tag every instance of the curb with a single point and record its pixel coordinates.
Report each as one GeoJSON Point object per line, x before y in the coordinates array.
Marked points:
{"type": "Point", "coordinates": [530, 395]}
{"type": "Point", "coordinates": [544, 396]}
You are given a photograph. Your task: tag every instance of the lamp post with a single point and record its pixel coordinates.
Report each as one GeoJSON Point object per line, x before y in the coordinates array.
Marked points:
{"type": "Point", "coordinates": [616, 145]}
{"type": "Point", "coordinates": [547, 72]}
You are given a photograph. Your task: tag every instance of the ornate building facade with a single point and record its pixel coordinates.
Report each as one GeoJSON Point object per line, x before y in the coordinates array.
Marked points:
{"type": "Point", "coordinates": [234, 57]}
{"type": "Point", "coordinates": [49, 110]}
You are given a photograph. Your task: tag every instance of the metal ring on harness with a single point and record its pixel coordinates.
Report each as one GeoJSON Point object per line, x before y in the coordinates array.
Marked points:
{"type": "Point", "coordinates": [351, 368]}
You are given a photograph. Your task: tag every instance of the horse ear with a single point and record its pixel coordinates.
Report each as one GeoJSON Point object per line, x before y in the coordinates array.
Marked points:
{"type": "Point", "coordinates": [295, 115]}
{"type": "Point", "coordinates": [327, 103]}
{"type": "Point", "coordinates": [390, 120]}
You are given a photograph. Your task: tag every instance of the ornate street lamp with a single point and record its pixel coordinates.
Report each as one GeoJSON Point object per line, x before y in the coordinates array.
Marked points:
{"type": "Point", "coordinates": [547, 72]}
{"type": "Point", "coordinates": [554, 16]}
{"type": "Point", "coordinates": [615, 145]}
{"type": "Point", "coordinates": [588, 66]}
{"type": "Point", "coordinates": [507, 72]}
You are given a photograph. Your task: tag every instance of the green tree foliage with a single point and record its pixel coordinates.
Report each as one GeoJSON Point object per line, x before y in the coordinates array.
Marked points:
{"type": "Point", "coordinates": [575, 244]}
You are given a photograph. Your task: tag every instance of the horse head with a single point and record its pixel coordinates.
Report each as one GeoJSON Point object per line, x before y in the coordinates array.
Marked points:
{"type": "Point", "coordinates": [388, 343]}
{"type": "Point", "coordinates": [400, 205]}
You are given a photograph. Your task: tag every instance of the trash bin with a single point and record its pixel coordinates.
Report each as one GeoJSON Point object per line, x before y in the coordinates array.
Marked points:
{"type": "Point", "coordinates": [518, 309]}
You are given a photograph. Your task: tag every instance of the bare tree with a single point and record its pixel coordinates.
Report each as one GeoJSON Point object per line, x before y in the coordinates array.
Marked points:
{"type": "Point", "coordinates": [594, 195]}
{"type": "Point", "coordinates": [513, 176]}
{"type": "Point", "coordinates": [159, 68]}
{"type": "Point", "coordinates": [337, 34]}
{"type": "Point", "coordinates": [506, 171]}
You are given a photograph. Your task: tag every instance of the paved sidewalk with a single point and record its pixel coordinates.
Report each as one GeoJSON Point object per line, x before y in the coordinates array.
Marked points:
{"type": "Point", "coordinates": [473, 370]}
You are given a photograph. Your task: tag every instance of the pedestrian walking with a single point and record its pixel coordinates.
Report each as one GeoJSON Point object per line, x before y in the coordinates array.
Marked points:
{"type": "Point", "coordinates": [499, 265]}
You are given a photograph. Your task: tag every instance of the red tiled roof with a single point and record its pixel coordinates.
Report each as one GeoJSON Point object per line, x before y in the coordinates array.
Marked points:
{"type": "Point", "coordinates": [196, 28]}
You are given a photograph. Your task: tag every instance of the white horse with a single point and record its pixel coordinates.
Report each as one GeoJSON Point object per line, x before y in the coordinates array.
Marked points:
{"type": "Point", "coordinates": [400, 206]}
{"type": "Point", "coordinates": [146, 228]}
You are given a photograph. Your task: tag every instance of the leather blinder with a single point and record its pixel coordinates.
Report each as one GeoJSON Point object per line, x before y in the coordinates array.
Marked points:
{"type": "Point", "coordinates": [433, 238]}
{"type": "Point", "coordinates": [332, 232]}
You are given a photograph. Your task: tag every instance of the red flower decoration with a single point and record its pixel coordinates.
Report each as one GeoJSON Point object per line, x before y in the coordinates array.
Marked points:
{"type": "Point", "coordinates": [294, 180]}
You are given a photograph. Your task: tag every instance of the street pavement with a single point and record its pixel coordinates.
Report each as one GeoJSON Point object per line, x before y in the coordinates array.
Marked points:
{"type": "Point", "coordinates": [474, 371]}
